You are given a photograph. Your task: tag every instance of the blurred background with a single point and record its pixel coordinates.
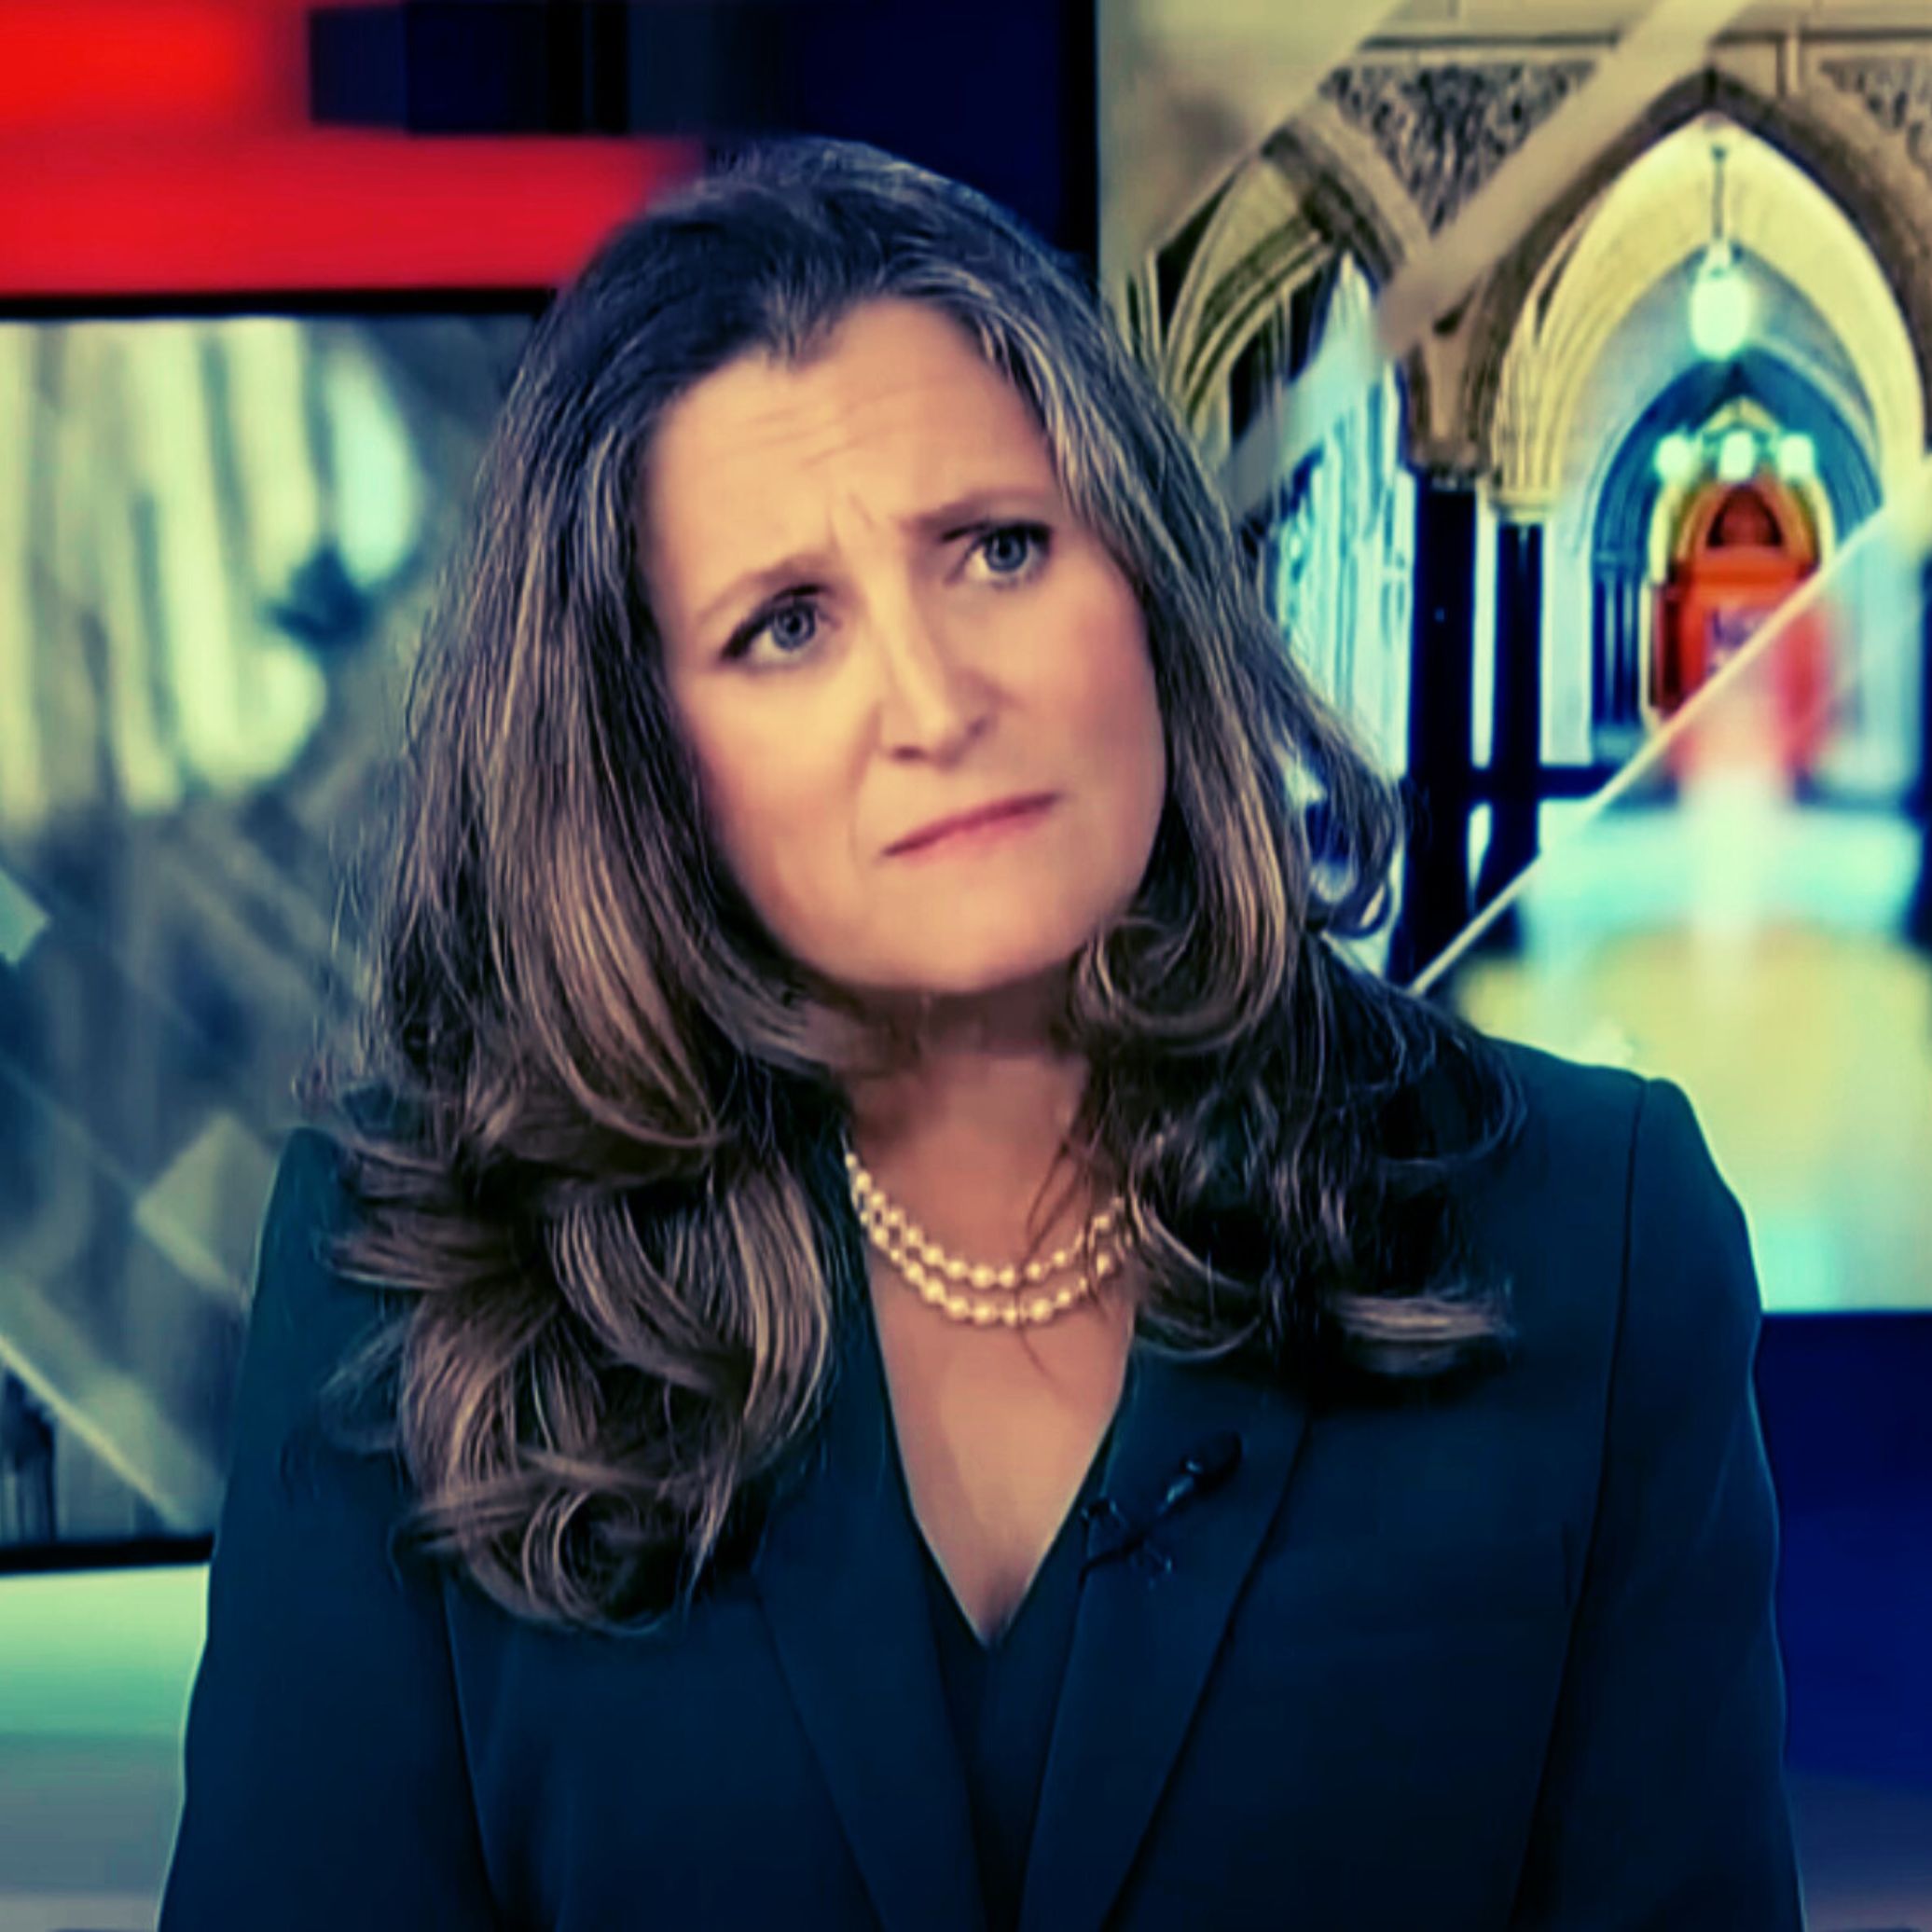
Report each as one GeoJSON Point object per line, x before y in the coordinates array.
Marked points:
{"type": "Point", "coordinates": [1566, 369]}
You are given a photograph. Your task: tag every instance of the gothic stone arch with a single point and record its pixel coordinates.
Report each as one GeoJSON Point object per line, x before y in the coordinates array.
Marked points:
{"type": "Point", "coordinates": [1825, 154]}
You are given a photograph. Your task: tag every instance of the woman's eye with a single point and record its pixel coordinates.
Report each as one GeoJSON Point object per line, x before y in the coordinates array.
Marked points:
{"type": "Point", "coordinates": [1014, 548]}
{"type": "Point", "coordinates": [790, 626]}
{"type": "Point", "coordinates": [1012, 553]}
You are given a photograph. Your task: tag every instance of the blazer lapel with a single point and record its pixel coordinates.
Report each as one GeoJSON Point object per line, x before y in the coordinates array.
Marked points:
{"type": "Point", "coordinates": [838, 1576]}
{"type": "Point", "coordinates": [1146, 1637]}
{"type": "Point", "coordinates": [839, 1581]}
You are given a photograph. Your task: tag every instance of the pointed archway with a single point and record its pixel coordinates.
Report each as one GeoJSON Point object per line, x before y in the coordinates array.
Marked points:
{"type": "Point", "coordinates": [1803, 205]}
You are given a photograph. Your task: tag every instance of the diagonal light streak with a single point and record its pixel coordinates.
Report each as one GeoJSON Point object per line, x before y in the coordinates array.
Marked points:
{"type": "Point", "coordinates": [1671, 40]}
{"type": "Point", "coordinates": [1905, 523]}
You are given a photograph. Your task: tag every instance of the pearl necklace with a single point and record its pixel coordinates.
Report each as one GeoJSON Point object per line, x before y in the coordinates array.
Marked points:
{"type": "Point", "coordinates": [933, 1272]}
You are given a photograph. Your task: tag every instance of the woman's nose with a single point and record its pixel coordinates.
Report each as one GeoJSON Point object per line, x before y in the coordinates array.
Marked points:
{"type": "Point", "coordinates": [931, 695]}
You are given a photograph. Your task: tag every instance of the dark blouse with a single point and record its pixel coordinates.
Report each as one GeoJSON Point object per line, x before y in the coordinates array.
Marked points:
{"type": "Point", "coordinates": [1003, 1697]}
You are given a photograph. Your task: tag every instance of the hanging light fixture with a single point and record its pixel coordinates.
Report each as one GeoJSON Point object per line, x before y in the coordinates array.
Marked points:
{"type": "Point", "coordinates": [1797, 458]}
{"type": "Point", "coordinates": [1720, 295]}
{"type": "Point", "coordinates": [1678, 458]}
{"type": "Point", "coordinates": [1737, 456]}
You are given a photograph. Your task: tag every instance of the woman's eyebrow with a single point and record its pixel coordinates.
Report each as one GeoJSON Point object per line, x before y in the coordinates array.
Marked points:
{"type": "Point", "coordinates": [978, 506]}
{"type": "Point", "coordinates": [960, 512]}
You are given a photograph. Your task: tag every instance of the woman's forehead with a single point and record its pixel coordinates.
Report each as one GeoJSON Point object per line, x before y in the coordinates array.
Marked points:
{"type": "Point", "coordinates": [888, 367]}
{"type": "Point", "coordinates": [900, 420]}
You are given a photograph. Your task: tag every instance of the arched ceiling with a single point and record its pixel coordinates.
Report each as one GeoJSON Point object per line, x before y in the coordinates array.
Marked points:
{"type": "Point", "coordinates": [1647, 225]}
{"type": "Point", "coordinates": [1258, 243]}
{"type": "Point", "coordinates": [1652, 353]}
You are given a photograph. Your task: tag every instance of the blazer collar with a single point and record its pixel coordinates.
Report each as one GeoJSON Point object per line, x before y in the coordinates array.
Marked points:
{"type": "Point", "coordinates": [838, 1576]}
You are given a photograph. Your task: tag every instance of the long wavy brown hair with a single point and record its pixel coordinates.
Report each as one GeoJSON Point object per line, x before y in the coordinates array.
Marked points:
{"type": "Point", "coordinates": [590, 1114]}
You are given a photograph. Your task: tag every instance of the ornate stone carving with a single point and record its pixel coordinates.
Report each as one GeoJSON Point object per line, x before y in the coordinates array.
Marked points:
{"type": "Point", "coordinates": [1896, 92]}
{"type": "Point", "coordinates": [1446, 127]}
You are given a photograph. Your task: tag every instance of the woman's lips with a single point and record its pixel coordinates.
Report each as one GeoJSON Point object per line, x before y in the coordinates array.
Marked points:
{"type": "Point", "coordinates": [985, 830]}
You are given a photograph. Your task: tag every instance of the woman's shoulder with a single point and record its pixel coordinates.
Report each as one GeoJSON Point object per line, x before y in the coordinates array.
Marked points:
{"type": "Point", "coordinates": [307, 1313]}
{"type": "Point", "coordinates": [1588, 1135]}
{"type": "Point", "coordinates": [1610, 1217]}
{"type": "Point", "coordinates": [1576, 1117]}
{"type": "Point", "coordinates": [313, 1196]}
{"type": "Point", "coordinates": [1523, 1137]}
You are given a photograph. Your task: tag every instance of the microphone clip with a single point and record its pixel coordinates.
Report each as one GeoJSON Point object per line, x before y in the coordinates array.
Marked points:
{"type": "Point", "coordinates": [1112, 1534]}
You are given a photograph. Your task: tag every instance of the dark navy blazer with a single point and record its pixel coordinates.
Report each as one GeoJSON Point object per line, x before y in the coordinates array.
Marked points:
{"type": "Point", "coordinates": [1500, 1657]}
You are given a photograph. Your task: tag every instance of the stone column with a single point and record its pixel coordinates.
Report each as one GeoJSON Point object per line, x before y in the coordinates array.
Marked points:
{"type": "Point", "coordinates": [1435, 864]}
{"type": "Point", "coordinates": [1918, 919]}
{"type": "Point", "coordinates": [1516, 737]}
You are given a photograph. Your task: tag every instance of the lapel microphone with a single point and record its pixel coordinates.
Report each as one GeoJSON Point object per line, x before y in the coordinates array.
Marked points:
{"type": "Point", "coordinates": [1111, 1532]}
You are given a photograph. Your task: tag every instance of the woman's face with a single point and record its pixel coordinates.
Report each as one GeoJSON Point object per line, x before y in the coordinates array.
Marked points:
{"type": "Point", "coordinates": [878, 611]}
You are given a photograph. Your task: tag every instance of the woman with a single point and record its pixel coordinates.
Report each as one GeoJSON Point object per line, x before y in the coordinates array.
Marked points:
{"type": "Point", "coordinates": [950, 1381]}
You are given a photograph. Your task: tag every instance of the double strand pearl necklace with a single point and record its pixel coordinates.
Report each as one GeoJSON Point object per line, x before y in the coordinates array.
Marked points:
{"type": "Point", "coordinates": [937, 1275]}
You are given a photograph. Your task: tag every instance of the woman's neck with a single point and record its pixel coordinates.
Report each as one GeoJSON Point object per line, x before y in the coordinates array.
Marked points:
{"type": "Point", "coordinates": [967, 1140]}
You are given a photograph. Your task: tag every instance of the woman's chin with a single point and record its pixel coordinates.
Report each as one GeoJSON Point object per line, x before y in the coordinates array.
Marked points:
{"type": "Point", "coordinates": [965, 976]}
